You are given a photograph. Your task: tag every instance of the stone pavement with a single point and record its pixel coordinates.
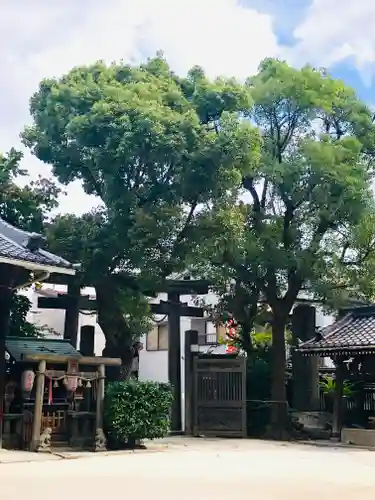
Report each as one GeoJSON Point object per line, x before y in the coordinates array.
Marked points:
{"type": "Point", "coordinates": [20, 456]}
{"type": "Point", "coordinates": [199, 469]}
{"type": "Point", "coordinates": [161, 445]}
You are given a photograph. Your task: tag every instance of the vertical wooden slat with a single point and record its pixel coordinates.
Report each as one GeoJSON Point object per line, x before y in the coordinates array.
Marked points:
{"type": "Point", "coordinates": [196, 396]}
{"type": "Point", "coordinates": [244, 397]}
{"type": "Point", "coordinates": [220, 386]}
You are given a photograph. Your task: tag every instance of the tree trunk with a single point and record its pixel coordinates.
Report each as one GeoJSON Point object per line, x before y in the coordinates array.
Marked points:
{"type": "Point", "coordinates": [118, 336]}
{"type": "Point", "coordinates": [279, 413]}
{"type": "Point", "coordinates": [246, 342]}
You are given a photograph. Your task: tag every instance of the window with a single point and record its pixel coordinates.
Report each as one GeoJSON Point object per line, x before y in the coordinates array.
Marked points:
{"type": "Point", "coordinates": [157, 338]}
{"type": "Point", "coordinates": [221, 332]}
{"type": "Point", "coordinates": [206, 331]}
{"type": "Point", "coordinates": [163, 336]}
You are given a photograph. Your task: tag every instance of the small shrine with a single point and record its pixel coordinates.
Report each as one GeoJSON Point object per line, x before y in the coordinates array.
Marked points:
{"type": "Point", "coordinates": [53, 395]}
{"type": "Point", "coordinates": [23, 261]}
{"type": "Point", "coordinates": [350, 343]}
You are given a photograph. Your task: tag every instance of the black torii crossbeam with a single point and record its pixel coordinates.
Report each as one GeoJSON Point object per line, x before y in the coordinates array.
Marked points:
{"type": "Point", "coordinates": [72, 303]}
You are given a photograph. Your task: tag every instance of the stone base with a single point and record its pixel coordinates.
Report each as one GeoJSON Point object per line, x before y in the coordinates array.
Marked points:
{"type": "Point", "coordinates": [314, 419]}
{"type": "Point", "coordinates": [100, 443]}
{"type": "Point", "coordinates": [358, 437]}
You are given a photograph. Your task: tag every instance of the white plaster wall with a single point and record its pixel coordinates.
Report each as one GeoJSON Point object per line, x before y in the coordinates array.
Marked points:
{"type": "Point", "coordinates": [54, 318]}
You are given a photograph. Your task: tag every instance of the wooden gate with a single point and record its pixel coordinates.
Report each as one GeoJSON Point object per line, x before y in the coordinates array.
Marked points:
{"type": "Point", "coordinates": [219, 396]}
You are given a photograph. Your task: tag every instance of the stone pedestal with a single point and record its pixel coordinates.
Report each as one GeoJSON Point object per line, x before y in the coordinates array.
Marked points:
{"type": "Point", "coordinates": [358, 437]}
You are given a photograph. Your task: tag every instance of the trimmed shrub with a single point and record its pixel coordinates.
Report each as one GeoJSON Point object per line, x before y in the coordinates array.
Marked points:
{"type": "Point", "coordinates": [136, 410]}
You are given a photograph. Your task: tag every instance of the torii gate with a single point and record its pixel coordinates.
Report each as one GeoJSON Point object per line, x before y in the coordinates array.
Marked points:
{"type": "Point", "coordinates": [73, 302]}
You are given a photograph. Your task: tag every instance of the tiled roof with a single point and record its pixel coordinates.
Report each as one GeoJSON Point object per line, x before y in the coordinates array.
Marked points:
{"type": "Point", "coordinates": [13, 245]}
{"type": "Point", "coordinates": [354, 333]}
{"type": "Point", "coordinates": [19, 347]}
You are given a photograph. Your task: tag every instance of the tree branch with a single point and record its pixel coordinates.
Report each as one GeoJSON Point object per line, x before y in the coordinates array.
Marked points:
{"type": "Point", "coordinates": [248, 184]}
{"type": "Point", "coordinates": [264, 194]}
{"type": "Point", "coordinates": [295, 282]}
{"type": "Point", "coordinates": [362, 258]}
{"type": "Point", "coordinates": [180, 237]}
{"type": "Point", "coordinates": [288, 217]}
{"type": "Point", "coordinates": [270, 290]}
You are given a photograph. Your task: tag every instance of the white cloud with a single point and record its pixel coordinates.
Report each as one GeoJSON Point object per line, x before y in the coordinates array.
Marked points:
{"type": "Point", "coordinates": [335, 30]}
{"type": "Point", "coordinates": [48, 38]}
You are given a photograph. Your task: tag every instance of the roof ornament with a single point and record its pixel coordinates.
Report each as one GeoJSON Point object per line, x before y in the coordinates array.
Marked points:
{"type": "Point", "coordinates": [318, 336]}
{"type": "Point", "coordinates": [34, 242]}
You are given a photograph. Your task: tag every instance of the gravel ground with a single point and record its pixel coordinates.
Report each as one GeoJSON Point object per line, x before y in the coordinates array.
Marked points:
{"type": "Point", "coordinates": [194, 469]}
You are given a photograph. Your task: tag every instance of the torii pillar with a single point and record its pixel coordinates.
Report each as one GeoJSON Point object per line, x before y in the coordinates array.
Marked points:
{"type": "Point", "coordinates": [305, 370]}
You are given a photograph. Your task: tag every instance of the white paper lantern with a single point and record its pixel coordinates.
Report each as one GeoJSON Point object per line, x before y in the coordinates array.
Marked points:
{"type": "Point", "coordinates": [27, 382]}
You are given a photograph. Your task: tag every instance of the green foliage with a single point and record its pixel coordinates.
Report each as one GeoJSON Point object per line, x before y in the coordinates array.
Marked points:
{"type": "Point", "coordinates": [136, 139]}
{"type": "Point", "coordinates": [26, 208]}
{"type": "Point", "coordinates": [137, 410]}
{"type": "Point", "coordinates": [328, 386]}
{"type": "Point", "coordinates": [154, 148]}
{"type": "Point", "coordinates": [18, 325]}
{"type": "Point", "coordinates": [302, 216]}
{"type": "Point", "coordinates": [263, 188]}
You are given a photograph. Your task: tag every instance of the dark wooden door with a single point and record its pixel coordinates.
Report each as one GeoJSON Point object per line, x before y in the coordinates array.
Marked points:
{"type": "Point", "coordinates": [220, 396]}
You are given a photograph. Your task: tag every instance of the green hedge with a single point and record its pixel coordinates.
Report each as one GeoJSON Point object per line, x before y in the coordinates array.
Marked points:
{"type": "Point", "coordinates": [136, 410]}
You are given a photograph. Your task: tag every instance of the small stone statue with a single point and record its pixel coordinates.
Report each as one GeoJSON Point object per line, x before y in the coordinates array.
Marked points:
{"type": "Point", "coordinates": [100, 440]}
{"type": "Point", "coordinates": [45, 440]}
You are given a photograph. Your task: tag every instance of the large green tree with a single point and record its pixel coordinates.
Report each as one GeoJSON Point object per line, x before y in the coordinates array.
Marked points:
{"type": "Point", "coordinates": [303, 216]}
{"type": "Point", "coordinates": [154, 148]}
{"type": "Point", "coordinates": [26, 208]}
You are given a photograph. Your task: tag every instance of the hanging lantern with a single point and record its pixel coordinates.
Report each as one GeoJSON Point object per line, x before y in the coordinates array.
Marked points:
{"type": "Point", "coordinates": [72, 384]}
{"type": "Point", "coordinates": [72, 378]}
{"type": "Point", "coordinates": [27, 382]}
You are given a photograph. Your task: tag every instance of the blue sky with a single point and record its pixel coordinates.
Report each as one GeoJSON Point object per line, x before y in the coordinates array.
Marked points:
{"type": "Point", "coordinates": [230, 37]}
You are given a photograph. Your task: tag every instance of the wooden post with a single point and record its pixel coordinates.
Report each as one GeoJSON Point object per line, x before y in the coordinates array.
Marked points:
{"type": "Point", "coordinates": [100, 443]}
{"type": "Point", "coordinates": [191, 338]}
{"type": "Point", "coordinates": [337, 400]}
{"type": "Point", "coordinates": [100, 398]}
{"type": "Point", "coordinates": [72, 314]}
{"type": "Point", "coordinates": [305, 380]}
{"type": "Point", "coordinates": [87, 342]}
{"type": "Point", "coordinates": [174, 359]}
{"type": "Point", "coordinates": [5, 305]}
{"type": "Point", "coordinates": [38, 408]}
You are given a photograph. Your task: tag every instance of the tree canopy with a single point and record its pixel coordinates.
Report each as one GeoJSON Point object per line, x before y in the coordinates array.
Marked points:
{"type": "Point", "coordinates": [263, 187]}
{"type": "Point", "coordinates": [27, 208]}
{"type": "Point", "coordinates": [154, 148]}
{"type": "Point", "coordinates": [302, 217]}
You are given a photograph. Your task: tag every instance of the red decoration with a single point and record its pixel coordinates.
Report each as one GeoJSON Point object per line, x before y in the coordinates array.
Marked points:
{"type": "Point", "coordinates": [50, 392]}
{"type": "Point", "coordinates": [231, 328]}
{"type": "Point", "coordinates": [72, 381]}
{"type": "Point", "coordinates": [231, 349]}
